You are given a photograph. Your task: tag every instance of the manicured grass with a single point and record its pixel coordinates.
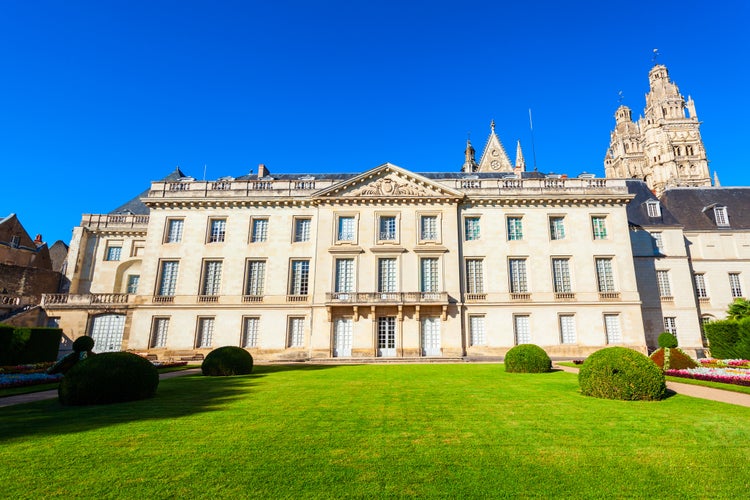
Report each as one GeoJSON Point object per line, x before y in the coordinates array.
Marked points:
{"type": "Point", "coordinates": [463, 430]}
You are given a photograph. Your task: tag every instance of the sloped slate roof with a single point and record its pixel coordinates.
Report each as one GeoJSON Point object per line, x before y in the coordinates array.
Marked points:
{"type": "Point", "coordinates": [687, 205]}
{"type": "Point", "coordinates": [136, 206]}
{"type": "Point", "coordinates": [637, 211]}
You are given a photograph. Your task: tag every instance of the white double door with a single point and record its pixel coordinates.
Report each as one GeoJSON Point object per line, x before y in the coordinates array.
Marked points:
{"type": "Point", "coordinates": [431, 336]}
{"type": "Point", "coordinates": [342, 337]}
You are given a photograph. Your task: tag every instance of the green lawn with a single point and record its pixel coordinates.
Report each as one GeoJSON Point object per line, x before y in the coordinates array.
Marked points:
{"type": "Point", "coordinates": [458, 430]}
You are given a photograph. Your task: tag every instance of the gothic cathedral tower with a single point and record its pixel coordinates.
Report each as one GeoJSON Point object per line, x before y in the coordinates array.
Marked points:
{"type": "Point", "coordinates": [664, 147]}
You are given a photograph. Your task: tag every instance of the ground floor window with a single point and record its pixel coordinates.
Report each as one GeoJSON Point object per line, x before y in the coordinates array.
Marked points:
{"type": "Point", "coordinates": [250, 332]}
{"type": "Point", "coordinates": [159, 332]}
{"type": "Point", "coordinates": [205, 333]}
{"type": "Point", "coordinates": [106, 330]}
{"type": "Point", "coordinates": [476, 330]}
{"type": "Point", "coordinates": [522, 329]}
{"type": "Point", "coordinates": [295, 334]}
{"type": "Point", "coordinates": [567, 329]}
{"type": "Point", "coordinates": [612, 328]}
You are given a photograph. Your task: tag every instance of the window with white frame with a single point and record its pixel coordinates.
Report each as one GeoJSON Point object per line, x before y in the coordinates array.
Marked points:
{"type": "Point", "coordinates": [159, 330]}
{"type": "Point", "coordinates": [515, 228]}
{"type": "Point", "coordinates": [561, 275]}
{"type": "Point", "coordinates": [387, 275]}
{"type": "Point", "coordinates": [302, 229]}
{"type": "Point", "coordinates": [296, 333]}
{"type": "Point", "coordinates": [174, 231]}
{"type": "Point", "coordinates": [255, 278]}
{"type": "Point", "coordinates": [259, 231]}
{"type": "Point", "coordinates": [557, 228]}
{"type": "Point", "coordinates": [344, 275]}
{"type": "Point", "coordinates": [567, 329]}
{"type": "Point", "coordinates": [168, 278]}
{"type": "Point", "coordinates": [721, 216]}
{"type": "Point", "coordinates": [612, 328]}
{"type": "Point", "coordinates": [522, 329]}
{"type": "Point", "coordinates": [211, 277]}
{"type": "Point", "coordinates": [665, 287]}
{"type": "Point", "coordinates": [250, 331]}
{"type": "Point", "coordinates": [735, 285]}
{"type": "Point", "coordinates": [428, 228]}
{"type": "Point", "coordinates": [658, 243]}
{"type": "Point", "coordinates": [217, 230]}
{"type": "Point", "coordinates": [599, 226]}
{"type": "Point", "coordinates": [653, 208]}
{"type": "Point", "coordinates": [133, 280]}
{"type": "Point", "coordinates": [604, 275]}
{"type": "Point", "coordinates": [300, 277]}
{"type": "Point", "coordinates": [700, 285]}
{"type": "Point", "coordinates": [471, 228]}
{"type": "Point", "coordinates": [476, 330]}
{"type": "Point", "coordinates": [346, 228]}
{"type": "Point", "coordinates": [387, 227]}
{"type": "Point", "coordinates": [114, 251]}
{"type": "Point", "coordinates": [670, 325]}
{"type": "Point", "coordinates": [15, 241]}
{"type": "Point", "coordinates": [474, 276]}
{"type": "Point", "coordinates": [205, 334]}
{"type": "Point", "coordinates": [518, 277]}
{"type": "Point", "coordinates": [430, 281]}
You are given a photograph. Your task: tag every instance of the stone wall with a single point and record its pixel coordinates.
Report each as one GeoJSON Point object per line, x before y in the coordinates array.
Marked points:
{"type": "Point", "coordinates": [28, 281]}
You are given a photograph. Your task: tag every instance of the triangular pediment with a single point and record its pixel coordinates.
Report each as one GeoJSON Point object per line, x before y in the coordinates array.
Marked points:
{"type": "Point", "coordinates": [494, 158]}
{"type": "Point", "coordinates": [388, 182]}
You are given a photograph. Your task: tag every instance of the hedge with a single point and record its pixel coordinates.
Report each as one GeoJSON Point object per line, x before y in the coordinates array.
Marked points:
{"type": "Point", "coordinates": [729, 339]}
{"type": "Point", "coordinates": [28, 345]}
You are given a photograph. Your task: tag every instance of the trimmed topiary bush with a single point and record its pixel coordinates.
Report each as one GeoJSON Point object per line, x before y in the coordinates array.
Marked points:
{"type": "Point", "coordinates": [228, 360]}
{"type": "Point", "coordinates": [672, 359]}
{"type": "Point", "coordinates": [667, 340]}
{"type": "Point", "coordinates": [82, 344]}
{"type": "Point", "coordinates": [111, 377]}
{"type": "Point", "coordinates": [527, 358]}
{"type": "Point", "coordinates": [621, 373]}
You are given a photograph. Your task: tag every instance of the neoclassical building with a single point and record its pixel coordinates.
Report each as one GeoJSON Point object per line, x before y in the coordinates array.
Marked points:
{"type": "Point", "coordinates": [393, 263]}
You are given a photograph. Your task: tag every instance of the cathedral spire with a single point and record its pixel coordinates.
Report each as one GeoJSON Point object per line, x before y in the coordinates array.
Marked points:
{"type": "Point", "coordinates": [520, 161]}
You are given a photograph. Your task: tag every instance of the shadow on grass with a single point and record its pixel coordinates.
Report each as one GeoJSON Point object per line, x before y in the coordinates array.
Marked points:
{"type": "Point", "coordinates": [175, 398]}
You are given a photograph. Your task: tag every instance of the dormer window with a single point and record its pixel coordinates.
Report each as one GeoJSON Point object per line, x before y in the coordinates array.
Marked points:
{"type": "Point", "coordinates": [721, 217]}
{"type": "Point", "coordinates": [653, 208]}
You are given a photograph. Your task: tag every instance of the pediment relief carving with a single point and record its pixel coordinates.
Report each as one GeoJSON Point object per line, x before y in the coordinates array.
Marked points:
{"type": "Point", "coordinates": [391, 186]}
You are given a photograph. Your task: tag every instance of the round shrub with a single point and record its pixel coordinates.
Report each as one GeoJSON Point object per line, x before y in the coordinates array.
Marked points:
{"type": "Point", "coordinates": [667, 340]}
{"type": "Point", "coordinates": [83, 344]}
{"type": "Point", "coordinates": [228, 360]}
{"type": "Point", "coordinates": [527, 358]}
{"type": "Point", "coordinates": [110, 377]}
{"type": "Point", "coordinates": [621, 373]}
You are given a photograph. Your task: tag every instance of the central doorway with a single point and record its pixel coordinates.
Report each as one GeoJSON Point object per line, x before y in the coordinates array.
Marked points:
{"type": "Point", "coordinates": [387, 336]}
{"type": "Point", "coordinates": [342, 337]}
{"type": "Point", "coordinates": [431, 336]}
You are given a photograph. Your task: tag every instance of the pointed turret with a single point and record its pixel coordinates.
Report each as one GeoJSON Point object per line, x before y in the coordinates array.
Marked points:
{"type": "Point", "coordinates": [494, 157]}
{"type": "Point", "coordinates": [716, 179]}
{"type": "Point", "coordinates": [470, 164]}
{"type": "Point", "coordinates": [520, 161]}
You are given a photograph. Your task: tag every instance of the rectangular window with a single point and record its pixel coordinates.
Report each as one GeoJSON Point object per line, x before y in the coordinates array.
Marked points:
{"type": "Point", "coordinates": [250, 332]}
{"type": "Point", "coordinates": [259, 230]}
{"type": "Point", "coordinates": [428, 228]}
{"type": "Point", "coordinates": [517, 272]}
{"type": "Point", "coordinates": [599, 225]}
{"type": "Point", "coordinates": [604, 276]}
{"type": "Point", "coordinates": [159, 332]}
{"type": "Point", "coordinates": [735, 285]}
{"type": "Point", "coordinates": [720, 214]}
{"type": "Point", "coordinates": [612, 328]}
{"type": "Point", "coordinates": [387, 275]}
{"type": "Point", "coordinates": [662, 280]}
{"type": "Point", "coordinates": [211, 277]}
{"type": "Point", "coordinates": [561, 275]}
{"type": "Point", "coordinates": [653, 208]}
{"type": "Point", "coordinates": [476, 330]}
{"type": "Point", "coordinates": [113, 253]}
{"type": "Point", "coordinates": [670, 325]}
{"type": "Point", "coordinates": [174, 230]}
{"type": "Point", "coordinates": [217, 230]}
{"type": "Point", "coordinates": [567, 329]}
{"type": "Point", "coordinates": [429, 271]}
{"type": "Point", "coordinates": [344, 275]}
{"type": "Point", "coordinates": [205, 333]}
{"type": "Point", "coordinates": [300, 277]}
{"type": "Point", "coordinates": [557, 228]}
{"type": "Point", "coordinates": [296, 334]}
{"type": "Point", "coordinates": [133, 280]}
{"type": "Point", "coordinates": [15, 241]}
{"type": "Point", "coordinates": [168, 278]}
{"type": "Point", "coordinates": [471, 227]}
{"type": "Point", "coordinates": [255, 278]}
{"type": "Point", "coordinates": [302, 230]}
{"type": "Point", "coordinates": [388, 228]}
{"type": "Point", "coordinates": [658, 243]}
{"type": "Point", "coordinates": [700, 286]}
{"type": "Point", "coordinates": [474, 276]}
{"type": "Point", "coordinates": [515, 228]}
{"type": "Point", "coordinates": [346, 229]}
{"type": "Point", "coordinates": [522, 329]}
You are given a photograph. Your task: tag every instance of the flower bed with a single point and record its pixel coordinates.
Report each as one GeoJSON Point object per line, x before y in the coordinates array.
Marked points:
{"type": "Point", "coordinates": [721, 363]}
{"type": "Point", "coordinates": [169, 364]}
{"type": "Point", "coordinates": [8, 380]}
{"type": "Point", "coordinates": [32, 368]}
{"type": "Point", "coordinates": [736, 376]}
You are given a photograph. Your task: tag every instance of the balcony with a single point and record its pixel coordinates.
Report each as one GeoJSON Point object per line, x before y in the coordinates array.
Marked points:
{"type": "Point", "coordinates": [114, 221]}
{"type": "Point", "coordinates": [565, 296]}
{"type": "Point", "coordinates": [89, 299]}
{"type": "Point", "coordinates": [372, 298]}
{"type": "Point", "coordinates": [666, 298]}
{"type": "Point", "coordinates": [297, 298]}
{"type": "Point", "coordinates": [252, 298]}
{"type": "Point", "coordinates": [520, 296]}
{"type": "Point", "coordinates": [609, 296]}
{"type": "Point", "coordinates": [208, 298]}
{"type": "Point", "coordinates": [475, 297]}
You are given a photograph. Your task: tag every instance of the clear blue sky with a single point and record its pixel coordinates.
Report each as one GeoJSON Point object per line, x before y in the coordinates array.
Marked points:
{"type": "Point", "coordinates": [99, 98]}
